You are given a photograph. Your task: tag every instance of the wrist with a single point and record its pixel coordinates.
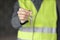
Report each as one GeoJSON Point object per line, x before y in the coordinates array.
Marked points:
{"type": "Point", "coordinates": [23, 22]}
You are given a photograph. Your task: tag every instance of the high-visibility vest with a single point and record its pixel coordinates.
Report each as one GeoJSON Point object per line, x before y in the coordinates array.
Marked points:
{"type": "Point", "coordinates": [42, 23]}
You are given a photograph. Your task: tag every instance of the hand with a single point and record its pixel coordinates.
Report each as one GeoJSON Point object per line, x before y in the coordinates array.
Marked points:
{"type": "Point", "coordinates": [23, 14]}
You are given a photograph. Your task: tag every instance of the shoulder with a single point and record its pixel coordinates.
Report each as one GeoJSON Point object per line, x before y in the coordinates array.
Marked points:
{"type": "Point", "coordinates": [16, 5]}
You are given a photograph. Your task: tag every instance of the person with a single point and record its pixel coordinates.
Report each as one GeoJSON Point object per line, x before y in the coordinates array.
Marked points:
{"type": "Point", "coordinates": [35, 19]}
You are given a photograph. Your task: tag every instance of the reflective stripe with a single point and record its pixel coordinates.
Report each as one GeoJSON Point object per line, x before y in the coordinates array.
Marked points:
{"type": "Point", "coordinates": [44, 30]}
{"type": "Point", "coordinates": [18, 39]}
{"type": "Point", "coordinates": [21, 39]}
{"type": "Point", "coordinates": [26, 29]}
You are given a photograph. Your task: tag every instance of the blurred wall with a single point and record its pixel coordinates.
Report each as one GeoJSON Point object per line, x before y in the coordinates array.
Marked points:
{"type": "Point", "coordinates": [6, 9]}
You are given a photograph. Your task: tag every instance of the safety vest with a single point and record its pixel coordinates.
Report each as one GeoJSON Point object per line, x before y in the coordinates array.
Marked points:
{"type": "Point", "coordinates": [42, 23]}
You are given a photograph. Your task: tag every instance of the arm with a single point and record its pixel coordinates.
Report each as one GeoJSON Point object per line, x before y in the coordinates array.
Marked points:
{"type": "Point", "coordinates": [15, 20]}
{"type": "Point", "coordinates": [58, 21]}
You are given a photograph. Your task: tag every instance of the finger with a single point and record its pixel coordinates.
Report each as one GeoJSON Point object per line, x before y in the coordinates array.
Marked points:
{"type": "Point", "coordinates": [24, 10]}
{"type": "Point", "coordinates": [21, 9]}
{"type": "Point", "coordinates": [20, 12]}
{"type": "Point", "coordinates": [23, 13]}
{"type": "Point", "coordinates": [21, 17]}
{"type": "Point", "coordinates": [27, 12]}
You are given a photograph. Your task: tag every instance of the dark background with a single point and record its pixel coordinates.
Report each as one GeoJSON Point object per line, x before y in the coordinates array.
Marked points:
{"type": "Point", "coordinates": [7, 32]}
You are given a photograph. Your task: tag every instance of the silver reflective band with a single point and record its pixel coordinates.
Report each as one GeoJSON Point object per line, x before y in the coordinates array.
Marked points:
{"type": "Point", "coordinates": [22, 39]}
{"type": "Point", "coordinates": [43, 30]}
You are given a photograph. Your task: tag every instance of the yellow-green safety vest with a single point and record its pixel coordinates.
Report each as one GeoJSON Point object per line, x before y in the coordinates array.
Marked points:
{"type": "Point", "coordinates": [42, 23]}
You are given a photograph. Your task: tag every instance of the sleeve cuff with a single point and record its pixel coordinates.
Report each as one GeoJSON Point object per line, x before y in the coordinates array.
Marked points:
{"type": "Point", "coordinates": [24, 22]}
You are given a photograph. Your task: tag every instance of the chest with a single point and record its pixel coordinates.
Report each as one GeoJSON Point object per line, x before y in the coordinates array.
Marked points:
{"type": "Point", "coordinates": [46, 13]}
{"type": "Point", "coordinates": [37, 3]}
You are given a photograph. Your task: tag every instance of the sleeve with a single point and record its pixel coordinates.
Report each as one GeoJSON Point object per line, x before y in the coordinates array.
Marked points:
{"type": "Point", "coordinates": [58, 21]}
{"type": "Point", "coordinates": [15, 20]}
